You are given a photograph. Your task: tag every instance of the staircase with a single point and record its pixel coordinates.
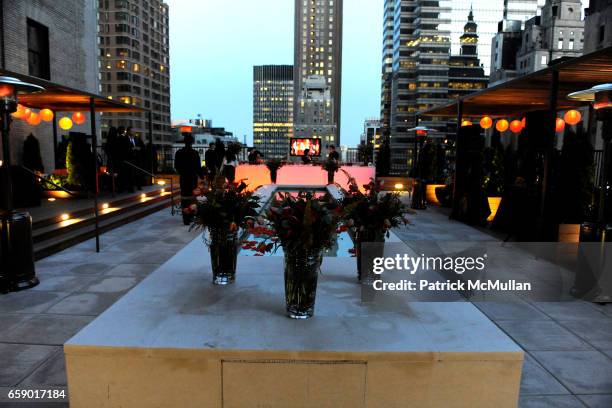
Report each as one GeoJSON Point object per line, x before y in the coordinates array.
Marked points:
{"type": "Point", "coordinates": [63, 230]}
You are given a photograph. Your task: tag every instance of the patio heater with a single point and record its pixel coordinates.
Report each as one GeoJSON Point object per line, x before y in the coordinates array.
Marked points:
{"type": "Point", "coordinates": [418, 195]}
{"type": "Point", "coordinates": [17, 254]}
{"type": "Point", "coordinates": [597, 285]}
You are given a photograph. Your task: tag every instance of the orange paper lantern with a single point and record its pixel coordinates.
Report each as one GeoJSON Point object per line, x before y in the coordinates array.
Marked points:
{"type": "Point", "coordinates": [46, 115]}
{"type": "Point", "coordinates": [6, 90]}
{"type": "Point", "coordinates": [572, 117]}
{"type": "Point", "coordinates": [516, 126]}
{"type": "Point", "coordinates": [65, 123]}
{"type": "Point", "coordinates": [502, 125]}
{"type": "Point", "coordinates": [18, 114]}
{"type": "Point", "coordinates": [486, 122]}
{"type": "Point", "coordinates": [34, 119]}
{"type": "Point", "coordinates": [559, 125]}
{"type": "Point", "coordinates": [26, 114]}
{"type": "Point", "coordinates": [466, 123]}
{"type": "Point", "coordinates": [78, 118]}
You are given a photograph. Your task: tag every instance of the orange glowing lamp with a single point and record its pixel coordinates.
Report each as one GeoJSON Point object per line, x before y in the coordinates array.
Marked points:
{"type": "Point", "coordinates": [486, 122]}
{"type": "Point", "coordinates": [559, 125]}
{"type": "Point", "coordinates": [466, 123]}
{"type": "Point", "coordinates": [78, 118]}
{"type": "Point", "coordinates": [26, 114]}
{"type": "Point", "coordinates": [572, 117]}
{"type": "Point", "coordinates": [502, 125]}
{"type": "Point", "coordinates": [65, 123]}
{"type": "Point", "coordinates": [421, 132]}
{"type": "Point", "coordinates": [185, 129]}
{"type": "Point", "coordinates": [18, 114]}
{"type": "Point", "coordinates": [516, 126]}
{"type": "Point", "coordinates": [7, 90]}
{"type": "Point", "coordinates": [46, 115]}
{"type": "Point", "coordinates": [34, 119]}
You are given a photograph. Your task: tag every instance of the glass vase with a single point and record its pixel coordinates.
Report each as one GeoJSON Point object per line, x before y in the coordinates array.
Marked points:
{"type": "Point", "coordinates": [368, 235]}
{"type": "Point", "coordinates": [223, 255]}
{"type": "Point", "coordinates": [301, 274]}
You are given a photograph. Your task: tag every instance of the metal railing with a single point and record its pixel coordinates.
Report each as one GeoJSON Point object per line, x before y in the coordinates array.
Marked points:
{"type": "Point", "coordinates": [173, 208]}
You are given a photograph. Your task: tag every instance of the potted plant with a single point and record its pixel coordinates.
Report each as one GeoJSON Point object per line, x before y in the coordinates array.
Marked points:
{"type": "Point", "coordinates": [371, 215]}
{"type": "Point", "coordinates": [222, 211]}
{"type": "Point", "coordinates": [273, 165]}
{"type": "Point", "coordinates": [494, 178]}
{"type": "Point", "coordinates": [304, 225]}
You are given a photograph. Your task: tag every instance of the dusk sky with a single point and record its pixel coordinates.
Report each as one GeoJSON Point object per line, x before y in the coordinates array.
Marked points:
{"type": "Point", "coordinates": [214, 45]}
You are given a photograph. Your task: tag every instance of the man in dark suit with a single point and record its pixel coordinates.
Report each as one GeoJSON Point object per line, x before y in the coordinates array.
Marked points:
{"type": "Point", "coordinates": [210, 160]}
{"type": "Point", "coordinates": [188, 166]}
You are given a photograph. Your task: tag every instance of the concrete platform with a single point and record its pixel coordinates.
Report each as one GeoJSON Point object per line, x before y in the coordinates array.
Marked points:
{"type": "Point", "coordinates": [175, 340]}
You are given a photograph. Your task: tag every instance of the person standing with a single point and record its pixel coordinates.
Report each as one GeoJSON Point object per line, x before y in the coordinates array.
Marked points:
{"type": "Point", "coordinates": [137, 149]}
{"type": "Point", "coordinates": [306, 159]}
{"type": "Point", "coordinates": [210, 160]}
{"type": "Point", "coordinates": [123, 156]}
{"type": "Point", "coordinates": [230, 163]}
{"type": "Point", "coordinates": [187, 165]}
{"type": "Point", "coordinates": [333, 160]}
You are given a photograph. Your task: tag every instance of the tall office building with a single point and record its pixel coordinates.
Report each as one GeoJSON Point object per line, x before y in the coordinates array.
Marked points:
{"type": "Point", "coordinates": [272, 109]}
{"type": "Point", "coordinates": [135, 66]}
{"type": "Point", "coordinates": [387, 65]}
{"type": "Point", "coordinates": [314, 116]}
{"type": "Point", "coordinates": [318, 54]}
{"type": "Point", "coordinates": [419, 71]}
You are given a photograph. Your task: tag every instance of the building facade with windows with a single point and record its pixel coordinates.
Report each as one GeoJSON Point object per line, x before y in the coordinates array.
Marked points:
{"type": "Point", "coordinates": [314, 117]}
{"type": "Point", "coordinates": [465, 74]}
{"type": "Point", "coordinates": [598, 25]}
{"type": "Point", "coordinates": [272, 110]}
{"type": "Point", "coordinates": [135, 66]}
{"type": "Point", "coordinates": [50, 40]}
{"type": "Point", "coordinates": [419, 71]}
{"type": "Point", "coordinates": [318, 54]}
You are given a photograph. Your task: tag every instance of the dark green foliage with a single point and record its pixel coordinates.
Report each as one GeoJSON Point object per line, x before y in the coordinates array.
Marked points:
{"type": "Point", "coordinates": [493, 170]}
{"type": "Point", "coordinates": [576, 177]}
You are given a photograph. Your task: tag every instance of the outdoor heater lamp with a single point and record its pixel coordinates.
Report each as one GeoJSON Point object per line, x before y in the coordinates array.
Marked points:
{"type": "Point", "coordinates": [16, 250]}
{"type": "Point", "coordinates": [418, 198]}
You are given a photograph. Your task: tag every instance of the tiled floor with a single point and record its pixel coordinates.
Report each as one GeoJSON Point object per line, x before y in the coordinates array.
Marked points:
{"type": "Point", "coordinates": [568, 345]}
{"type": "Point", "coordinates": [76, 286]}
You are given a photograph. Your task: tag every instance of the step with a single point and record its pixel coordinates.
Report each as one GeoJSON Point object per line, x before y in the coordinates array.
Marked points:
{"type": "Point", "coordinates": [80, 213]}
{"type": "Point", "coordinates": [79, 219]}
{"type": "Point", "coordinates": [86, 231]}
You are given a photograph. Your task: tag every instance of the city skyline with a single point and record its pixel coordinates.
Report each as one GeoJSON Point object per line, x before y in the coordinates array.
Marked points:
{"type": "Point", "coordinates": [224, 92]}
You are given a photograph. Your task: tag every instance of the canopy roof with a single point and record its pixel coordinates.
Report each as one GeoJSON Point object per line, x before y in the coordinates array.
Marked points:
{"type": "Point", "coordinates": [532, 92]}
{"type": "Point", "coordinates": [61, 98]}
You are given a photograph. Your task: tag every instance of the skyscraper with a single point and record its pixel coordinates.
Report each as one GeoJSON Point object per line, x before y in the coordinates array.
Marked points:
{"type": "Point", "coordinates": [419, 71]}
{"type": "Point", "coordinates": [272, 109]}
{"type": "Point", "coordinates": [318, 54]}
{"type": "Point", "coordinates": [135, 65]}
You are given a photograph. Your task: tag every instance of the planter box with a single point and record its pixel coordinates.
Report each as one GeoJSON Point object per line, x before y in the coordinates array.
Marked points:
{"type": "Point", "coordinates": [569, 233]}
{"type": "Point", "coordinates": [494, 203]}
{"type": "Point", "coordinates": [430, 193]}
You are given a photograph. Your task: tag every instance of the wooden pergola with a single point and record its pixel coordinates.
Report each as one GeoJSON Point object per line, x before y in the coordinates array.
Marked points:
{"type": "Point", "coordinates": [545, 90]}
{"type": "Point", "coordinates": [60, 98]}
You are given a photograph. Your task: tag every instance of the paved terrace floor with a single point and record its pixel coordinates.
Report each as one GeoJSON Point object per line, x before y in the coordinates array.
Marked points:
{"type": "Point", "coordinates": [568, 345]}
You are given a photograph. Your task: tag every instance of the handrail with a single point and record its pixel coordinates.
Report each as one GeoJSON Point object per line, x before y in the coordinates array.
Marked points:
{"type": "Point", "coordinates": [142, 170]}
{"type": "Point", "coordinates": [153, 176]}
{"type": "Point", "coordinates": [41, 178]}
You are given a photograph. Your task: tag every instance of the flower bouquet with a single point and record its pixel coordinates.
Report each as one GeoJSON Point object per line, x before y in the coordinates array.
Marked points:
{"type": "Point", "coordinates": [304, 225]}
{"type": "Point", "coordinates": [371, 215]}
{"type": "Point", "coordinates": [223, 211]}
{"type": "Point", "coordinates": [273, 165]}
